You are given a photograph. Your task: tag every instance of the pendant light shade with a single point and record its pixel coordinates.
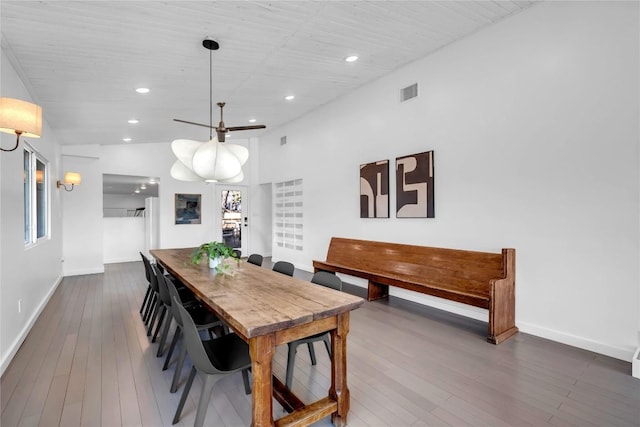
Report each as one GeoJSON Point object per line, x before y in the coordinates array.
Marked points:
{"type": "Point", "coordinates": [208, 161]}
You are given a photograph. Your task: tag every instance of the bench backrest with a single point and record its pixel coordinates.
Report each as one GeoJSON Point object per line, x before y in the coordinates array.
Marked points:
{"type": "Point", "coordinates": [450, 267]}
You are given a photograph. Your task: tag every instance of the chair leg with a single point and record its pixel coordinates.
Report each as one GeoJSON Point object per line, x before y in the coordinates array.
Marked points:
{"type": "Point", "coordinates": [312, 353]}
{"type": "Point", "coordinates": [205, 395]}
{"type": "Point", "coordinates": [145, 300]}
{"type": "Point", "coordinates": [163, 313]}
{"type": "Point", "coordinates": [245, 380]}
{"type": "Point", "coordinates": [165, 333]}
{"type": "Point", "coordinates": [172, 347]}
{"type": "Point", "coordinates": [154, 314]}
{"type": "Point", "coordinates": [327, 345]}
{"type": "Point", "coordinates": [185, 393]}
{"type": "Point", "coordinates": [151, 304]}
{"type": "Point", "coordinates": [291, 360]}
{"type": "Point", "coordinates": [178, 371]}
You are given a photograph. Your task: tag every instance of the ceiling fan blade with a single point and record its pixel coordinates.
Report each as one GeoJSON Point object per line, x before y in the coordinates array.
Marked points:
{"type": "Point", "coordinates": [246, 127]}
{"type": "Point", "coordinates": [193, 123]}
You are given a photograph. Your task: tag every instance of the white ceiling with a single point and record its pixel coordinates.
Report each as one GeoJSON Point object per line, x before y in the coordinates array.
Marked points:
{"type": "Point", "coordinates": [126, 185]}
{"type": "Point", "coordinates": [83, 60]}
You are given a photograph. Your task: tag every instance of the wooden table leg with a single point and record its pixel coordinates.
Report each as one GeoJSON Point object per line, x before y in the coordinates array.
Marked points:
{"type": "Point", "coordinates": [339, 390]}
{"type": "Point", "coordinates": [261, 350]}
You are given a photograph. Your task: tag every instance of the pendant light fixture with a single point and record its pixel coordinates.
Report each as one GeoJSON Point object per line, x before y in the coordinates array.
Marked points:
{"type": "Point", "coordinates": [211, 161]}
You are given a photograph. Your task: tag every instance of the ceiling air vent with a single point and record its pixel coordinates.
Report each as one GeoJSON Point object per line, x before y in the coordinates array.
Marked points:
{"type": "Point", "coordinates": [409, 92]}
{"type": "Point", "coordinates": [283, 140]}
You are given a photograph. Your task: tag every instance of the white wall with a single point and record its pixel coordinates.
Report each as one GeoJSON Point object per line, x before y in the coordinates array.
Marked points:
{"type": "Point", "coordinates": [27, 274]}
{"type": "Point", "coordinates": [534, 123]}
{"type": "Point", "coordinates": [123, 239]}
{"type": "Point", "coordinates": [150, 159]}
{"type": "Point", "coordinates": [82, 212]}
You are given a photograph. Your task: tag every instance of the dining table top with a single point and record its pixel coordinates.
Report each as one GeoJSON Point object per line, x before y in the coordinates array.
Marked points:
{"type": "Point", "coordinates": [254, 300]}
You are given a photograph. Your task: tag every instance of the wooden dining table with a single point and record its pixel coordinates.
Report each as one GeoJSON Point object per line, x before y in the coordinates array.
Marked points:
{"type": "Point", "coordinates": [268, 309]}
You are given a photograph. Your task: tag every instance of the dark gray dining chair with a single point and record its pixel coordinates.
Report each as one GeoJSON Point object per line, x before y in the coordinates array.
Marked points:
{"type": "Point", "coordinates": [329, 280]}
{"type": "Point", "coordinates": [212, 359]}
{"type": "Point", "coordinates": [255, 259]}
{"type": "Point", "coordinates": [284, 267]}
{"type": "Point", "coordinates": [147, 302]}
{"type": "Point", "coordinates": [163, 300]}
{"type": "Point", "coordinates": [204, 320]}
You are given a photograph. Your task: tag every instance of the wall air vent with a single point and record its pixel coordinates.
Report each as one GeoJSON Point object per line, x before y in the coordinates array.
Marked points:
{"type": "Point", "coordinates": [409, 92]}
{"type": "Point", "coordinates": [283, 140]}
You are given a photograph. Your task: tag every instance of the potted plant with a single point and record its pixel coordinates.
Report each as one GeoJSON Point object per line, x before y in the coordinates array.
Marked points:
{"type": "Point", "coordinates": [215, 252]}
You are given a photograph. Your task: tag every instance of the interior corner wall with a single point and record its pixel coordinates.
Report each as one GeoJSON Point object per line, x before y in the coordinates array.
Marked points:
{"type": "Point", "coordinates": [28, 274]}
{"type": "Point", "coordinates": [534, 124]}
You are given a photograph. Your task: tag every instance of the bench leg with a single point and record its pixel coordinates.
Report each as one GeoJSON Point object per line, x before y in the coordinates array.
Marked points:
{"type": "Point", "coordinates": [377, 291]}
{"type": "Point", "coordinates": [502, 312]}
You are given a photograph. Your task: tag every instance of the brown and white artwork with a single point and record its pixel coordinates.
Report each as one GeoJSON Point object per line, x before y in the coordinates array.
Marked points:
{"type": "Point", "coordinates": [374, 190]}
{"type": "Point", "coordinates": [414, 186]}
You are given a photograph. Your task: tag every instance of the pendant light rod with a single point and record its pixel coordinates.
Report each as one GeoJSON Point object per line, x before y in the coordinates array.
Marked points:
{"type": "Point", "coordinates": [211, 45]}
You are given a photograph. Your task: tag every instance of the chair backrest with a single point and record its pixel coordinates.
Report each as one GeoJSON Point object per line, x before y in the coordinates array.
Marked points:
{"type": "Point", "coordinates": [238, 253]}
{"type": "Point", "coordinates": [175, 296]}
{"type": "Point", "coordinates": [193, 341]}
{"type": "Point", "coordinates": [284, 267]}
{"type": "Point", "coordinates": [162, 287]}
{"type": "Point", "coordinates": [147, 267]}
{"type": "Point", "coordinates": [255, 259]}
{"type": "Point", "coordinates": [154, 279]}
{"type": "Point", "coordinates": [327, 279]}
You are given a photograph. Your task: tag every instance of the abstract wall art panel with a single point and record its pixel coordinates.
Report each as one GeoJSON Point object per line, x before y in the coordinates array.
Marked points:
{"type": "Point", "coordinates": [188, 208]}
{"type": "Point", "coordinates": [414, 186]}
{"type": "Point", "coordinates": [374, 190]}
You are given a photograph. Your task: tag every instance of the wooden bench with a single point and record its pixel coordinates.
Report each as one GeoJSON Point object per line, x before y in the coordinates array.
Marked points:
{"type": "Point", "coordinates": [480, 279]}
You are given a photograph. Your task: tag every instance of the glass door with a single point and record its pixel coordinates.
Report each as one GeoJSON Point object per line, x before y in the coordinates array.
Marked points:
{"type": "Point", "coordinates": [233, 217]}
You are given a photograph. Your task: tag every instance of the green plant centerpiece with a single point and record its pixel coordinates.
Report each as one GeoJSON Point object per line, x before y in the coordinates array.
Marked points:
{"type": "Point", "coordinates": [215, 253]}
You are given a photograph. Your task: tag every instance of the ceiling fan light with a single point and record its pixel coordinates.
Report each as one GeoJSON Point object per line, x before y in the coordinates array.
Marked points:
{"type": "Point", "coordinates": [184, 149]}
{"type": "Point", "coordinates": [242, 153]}
{"type": "Point", "coordinates": [236, 179]}
{"type": "Point", "coordinates": [182, 173]}
{"type": "Point", "coordinates": [214, 161]}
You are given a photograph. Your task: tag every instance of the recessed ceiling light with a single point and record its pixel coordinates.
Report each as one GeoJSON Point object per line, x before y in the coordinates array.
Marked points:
{"type": "Point", "coordinates": [252, 120]}
{"type": "Point", "coordinates": [133, 121]}
{"type": "Point", "coordinates": [151, 181]}
{"type": "Point", "coordinates": [143, 187]}
{"type": "Point", "coordinates": [137, 191]}
{"type": "Point", "coordinates": [126, 139]}
{"type": "Point", "coordinates": [351, 58]}
{"type": "Point", "coordinates": [289, 97]}
{"type": "Point", "coordinates": [143, 90]}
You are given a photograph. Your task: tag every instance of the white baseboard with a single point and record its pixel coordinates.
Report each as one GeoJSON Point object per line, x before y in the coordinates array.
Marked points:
{"type": "Point", "coordinates": [15, 346]}
{"type": "Point", "coordinates": [81, 272]}
{"type": "Point", "coordinates": [621, 353]}
{"type": "Point", "coordinates": [125, 259]}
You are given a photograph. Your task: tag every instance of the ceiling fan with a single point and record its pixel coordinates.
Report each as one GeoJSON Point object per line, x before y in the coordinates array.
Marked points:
{"type": "Point", "coordinates": [221, 129]}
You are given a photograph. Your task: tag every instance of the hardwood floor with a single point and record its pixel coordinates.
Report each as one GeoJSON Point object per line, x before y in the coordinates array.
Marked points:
{"type": "Point", "coordinates": [88, 361]}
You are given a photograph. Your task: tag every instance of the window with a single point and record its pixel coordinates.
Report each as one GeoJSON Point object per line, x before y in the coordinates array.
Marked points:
{"type": "Point", "coordinates": [36, 197]}
{"type": "Point", "coordinates": [288, 214]}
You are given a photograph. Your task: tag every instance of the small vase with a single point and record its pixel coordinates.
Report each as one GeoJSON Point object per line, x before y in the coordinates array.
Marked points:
{"type": "Point", "coordinates": [214, 262]}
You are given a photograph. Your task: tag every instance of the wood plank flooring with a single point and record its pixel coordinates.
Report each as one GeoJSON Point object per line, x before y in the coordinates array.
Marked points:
{"type": "Point", "coordinates": [87, 361]}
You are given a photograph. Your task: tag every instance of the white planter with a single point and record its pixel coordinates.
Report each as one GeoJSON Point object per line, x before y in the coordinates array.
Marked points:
{"type": "Point", "coordinates": [214, 262]}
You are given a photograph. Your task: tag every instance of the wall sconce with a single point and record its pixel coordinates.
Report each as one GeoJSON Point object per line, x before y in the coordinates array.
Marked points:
{"type": "Point", "coordinates": [21, 118]}
{"type": "Point", "coordinates": [70, 178]}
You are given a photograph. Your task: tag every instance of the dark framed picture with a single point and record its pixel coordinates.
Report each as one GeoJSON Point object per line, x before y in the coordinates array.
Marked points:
{"type": "Point", "coordinates": [188, 208]}
{"type": "Point", "coordinates": [414, 186]}
{"type": "Point", "coordinates": [374, 190]}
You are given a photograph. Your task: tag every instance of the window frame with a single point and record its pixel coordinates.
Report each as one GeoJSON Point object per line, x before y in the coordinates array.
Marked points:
{"type": "Point", "coordinates": [37, 206]}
